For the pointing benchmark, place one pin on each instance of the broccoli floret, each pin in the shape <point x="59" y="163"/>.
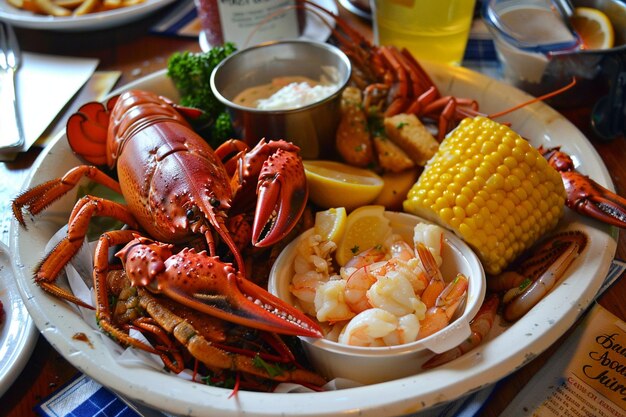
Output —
<point x="191" y="74"/>
<point x="222" y="129"/>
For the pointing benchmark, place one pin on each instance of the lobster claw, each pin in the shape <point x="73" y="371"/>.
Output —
<point x="282" y="195"/>
<point x="205" y="284"/>
<point x="587" y="197"/>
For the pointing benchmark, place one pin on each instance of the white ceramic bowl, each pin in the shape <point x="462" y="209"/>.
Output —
<point x="379" y="364"/>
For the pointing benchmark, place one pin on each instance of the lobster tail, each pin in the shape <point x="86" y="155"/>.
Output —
<point x="87" y="132"/>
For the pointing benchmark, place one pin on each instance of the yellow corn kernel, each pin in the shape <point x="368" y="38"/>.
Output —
<point x="492" y="188"/>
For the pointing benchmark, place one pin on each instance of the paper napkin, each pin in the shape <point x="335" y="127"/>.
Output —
<point x="45" y="84"/>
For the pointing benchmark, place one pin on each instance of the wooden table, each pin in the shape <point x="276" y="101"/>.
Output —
<point x="133" y="51"/>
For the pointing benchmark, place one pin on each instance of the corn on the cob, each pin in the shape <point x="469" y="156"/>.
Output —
<point x="492" y="188"/>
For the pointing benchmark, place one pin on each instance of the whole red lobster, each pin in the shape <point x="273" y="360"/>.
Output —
<point x="177" y="190"/>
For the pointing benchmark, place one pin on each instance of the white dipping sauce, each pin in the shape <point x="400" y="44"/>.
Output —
<point x="285" y="93"/>
<point x="295" y="95"/>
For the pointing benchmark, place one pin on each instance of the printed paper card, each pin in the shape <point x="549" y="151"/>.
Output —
<point x="586" y="377"/>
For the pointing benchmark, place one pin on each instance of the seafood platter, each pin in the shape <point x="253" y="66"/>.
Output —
<point x="170" y="305"/>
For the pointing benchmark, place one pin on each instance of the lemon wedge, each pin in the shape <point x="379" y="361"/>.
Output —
<point x="397" y="186"/>
<point x="334" y="184"/>
<point x="593" y="27"/>
<point x="366" y="227"/>
<point x="331" y="223"/>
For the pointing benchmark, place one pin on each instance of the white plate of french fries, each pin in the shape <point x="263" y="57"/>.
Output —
<point x="68" y="15"/>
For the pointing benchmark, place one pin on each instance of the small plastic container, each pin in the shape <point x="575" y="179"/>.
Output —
<point x="369" y="365"/>
<point x="526" y="33"/>
<point x="531" y="25"/>
<point x="540" y="62"/>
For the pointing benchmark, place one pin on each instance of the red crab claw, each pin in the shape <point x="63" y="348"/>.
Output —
<point x="274" y="168"/>
<point x="282" y="195"/>
<point x="206" y="284"/>
<point x="587" y="197"/>
<point x="584" y="195"/>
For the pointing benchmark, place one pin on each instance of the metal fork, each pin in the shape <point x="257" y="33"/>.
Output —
<point x="11" y="132"/>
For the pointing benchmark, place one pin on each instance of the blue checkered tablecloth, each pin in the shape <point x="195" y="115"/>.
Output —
<point x="83" y="397"/>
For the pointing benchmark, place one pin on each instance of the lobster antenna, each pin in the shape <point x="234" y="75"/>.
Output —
<point x="534" y="100"/>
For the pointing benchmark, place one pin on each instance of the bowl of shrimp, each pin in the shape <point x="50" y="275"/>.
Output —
<point x="390" y="309"/>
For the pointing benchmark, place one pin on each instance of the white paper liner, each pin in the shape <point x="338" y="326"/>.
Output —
<point x="81" y="285"/>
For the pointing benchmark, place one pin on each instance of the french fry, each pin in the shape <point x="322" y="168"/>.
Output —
<point x="48" y="7"/>
<point x="16" y="3"/>
<point x="128" y="3"/>
<point x="88" y="6"/>
<point x="69" y="4"/>
<point x="31" y="6"/>
<point x="111" y="4"/>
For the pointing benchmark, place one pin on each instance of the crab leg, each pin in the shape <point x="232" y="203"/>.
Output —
<point x="584" y="195"/>
<point x="209" y="354"/>
<point x="536" y="275"/>
<point x="204" y="283"/>
<point x="587" y="197"/>
<point x="521" y="304"/>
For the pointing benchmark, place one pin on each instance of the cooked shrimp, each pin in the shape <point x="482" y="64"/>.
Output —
<point x="480" y="325"/>
<point x="304" y="286"/>
<point x="411" y="270"/>
<point x="332" y="330"/>
<point x="431" y="236"/>
<point x="393" y="293"/>
<point x="330" y="303"/>
<point x="368" y="328"/>
<point x="357" y="285"/>
<point x="406" y="331"/>
<point x="367" y="257"/>
<point x="312" y="266"/>
<point x="436" y="282"/>
<point x="438" y="316"/>
<point x="399" y="249"/>
<point x="377" y="327"/>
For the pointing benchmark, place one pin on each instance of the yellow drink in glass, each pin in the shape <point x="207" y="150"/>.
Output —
<point x="433" y="30"/>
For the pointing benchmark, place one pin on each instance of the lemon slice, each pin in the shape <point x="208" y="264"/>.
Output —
<point x="331" y="223"/>
<point x="334" y="184"/>
<point x="593" y="27"/>
<point x="366" y="227"/>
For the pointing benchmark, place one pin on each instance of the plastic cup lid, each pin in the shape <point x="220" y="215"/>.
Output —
<point x="532" y="25"/>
